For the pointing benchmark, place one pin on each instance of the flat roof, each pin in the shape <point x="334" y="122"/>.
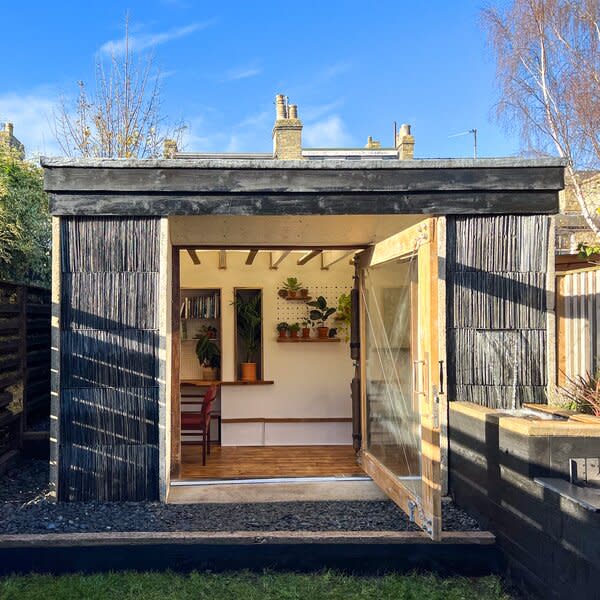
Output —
<point x="325" y="164"/>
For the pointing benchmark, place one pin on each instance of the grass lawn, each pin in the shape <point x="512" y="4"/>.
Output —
<point x="248" y="586"/>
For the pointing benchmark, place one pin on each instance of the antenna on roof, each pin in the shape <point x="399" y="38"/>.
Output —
<point x="395" y="133"/>
<point x="474" y="132"/>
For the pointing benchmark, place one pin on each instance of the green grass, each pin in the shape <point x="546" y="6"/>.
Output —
<point x="248" y="586"/>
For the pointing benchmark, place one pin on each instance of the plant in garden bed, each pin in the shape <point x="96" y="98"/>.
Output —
<point x="282" y="329"/>
<point x="294" y="329"/>
<point x="320" y="313"/>
<point x="291" y="286"/>
<point x="582" y="393"/>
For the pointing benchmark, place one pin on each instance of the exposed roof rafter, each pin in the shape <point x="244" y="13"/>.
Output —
<point x="331" y="257"/>
<point x="251" y="256"/>
<point x="278" y="257"/>
<point x="194" y="256"/>
<point x="308" y="256"/>
<point x="222" y="259"/>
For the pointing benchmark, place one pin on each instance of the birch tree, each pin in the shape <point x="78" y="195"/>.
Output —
<point x="548" y="70"/>
<point x="122" y="116"/>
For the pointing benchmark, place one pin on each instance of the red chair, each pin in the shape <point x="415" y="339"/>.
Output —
<point x="200" y="421"/>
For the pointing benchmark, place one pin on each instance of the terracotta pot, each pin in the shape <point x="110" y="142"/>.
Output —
<point x="294" y="334"/>
<point x="304" y="293"/>
<point x="282" y="333"/>
<point x="305" y="332"/>
<point x="323" y="332"/>
<point x="248" y="371"/>
<point x="210" y="374"/>
<point x="291" y="294"/>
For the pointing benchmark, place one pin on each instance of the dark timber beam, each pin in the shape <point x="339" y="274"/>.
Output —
<point x="251" y="256"/>
<point x="331" y="176"/>
<point x="349" y="203"/>
<point x="194" y="256"/>
<point x="308" y="256"/>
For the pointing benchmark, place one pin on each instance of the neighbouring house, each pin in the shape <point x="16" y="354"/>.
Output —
<point x="571" y="227"/>
<point x="448" y="265"/>
<point x="7" y="137"/>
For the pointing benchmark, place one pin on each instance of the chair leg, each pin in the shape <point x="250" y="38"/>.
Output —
<point x="203" y="449"/>
<point x="208" y="433"/>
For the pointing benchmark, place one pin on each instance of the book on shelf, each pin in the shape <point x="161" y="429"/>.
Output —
<point x="200" y="307"/>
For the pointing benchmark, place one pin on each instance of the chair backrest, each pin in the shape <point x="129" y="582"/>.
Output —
<point x="209" y="399"/>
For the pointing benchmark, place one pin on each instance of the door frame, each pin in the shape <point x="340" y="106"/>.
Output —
<point x="419" y="240"/>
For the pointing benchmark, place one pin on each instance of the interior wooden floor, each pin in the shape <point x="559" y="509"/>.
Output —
<point x="252" y="462"/>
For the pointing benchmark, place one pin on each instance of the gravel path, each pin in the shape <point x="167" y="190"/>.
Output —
<point x="25" y="508"/>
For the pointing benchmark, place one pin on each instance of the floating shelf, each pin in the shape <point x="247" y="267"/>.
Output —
<point x="299" y="299"/>
<point x="208" y="383"/>
<point x="290" y="340"/>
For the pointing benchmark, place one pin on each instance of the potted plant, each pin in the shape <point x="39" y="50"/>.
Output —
<point x="292" y="286"/>
<point x="282" y="329"/>
<point x="306" y="325"/>
<point x="320" y="313"/>
<point x="209" y="356"/>
<point x="294" y="329"/>
<point x="303" y="292"/>
<point x="344" y="313"/>
<point x="248" y="319"/>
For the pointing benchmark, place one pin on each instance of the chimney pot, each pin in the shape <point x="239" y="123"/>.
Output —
<point x="9" y="128"/>
<point x="280" y="107"/>
<point x="293" y="111"/>
<point x="405" y="143"/>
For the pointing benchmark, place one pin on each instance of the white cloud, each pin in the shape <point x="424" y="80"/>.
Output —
<point x="242" y="73"/>
<point x="141" y="41"/>
<point x="327" y="133"/>
<point x="32" y="116"/>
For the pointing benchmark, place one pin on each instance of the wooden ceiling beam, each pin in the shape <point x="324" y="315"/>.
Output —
<point x="251" y="256"/>
<point x="278" y="257"/>
<point x="194" y="256"/>
<point x="331" y="257"/>
<point x="308" y="256"/>
<point x="222" y="259"/>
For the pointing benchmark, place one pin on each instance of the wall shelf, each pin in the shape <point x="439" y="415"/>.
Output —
<point x="298" y="299"/>
<point x="206" y="383"/>
<point x="290" y="340"/>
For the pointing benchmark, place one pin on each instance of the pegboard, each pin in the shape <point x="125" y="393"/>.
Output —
<point x="294" y="311"/>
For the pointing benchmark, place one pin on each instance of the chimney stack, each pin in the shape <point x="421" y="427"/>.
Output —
<point x="287" y="132"/>
<point x="169" y="148"/>
<point x="405" y="143"/>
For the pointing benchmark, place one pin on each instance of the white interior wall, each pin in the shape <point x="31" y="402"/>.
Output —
<point x="311" y="381"/>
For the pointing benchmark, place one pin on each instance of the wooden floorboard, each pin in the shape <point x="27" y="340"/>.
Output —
<point x="249" y="462"/>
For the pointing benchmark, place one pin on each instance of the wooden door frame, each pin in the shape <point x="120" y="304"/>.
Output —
<point x="420" y="239"/>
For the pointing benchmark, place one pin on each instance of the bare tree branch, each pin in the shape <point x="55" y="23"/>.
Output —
<point x="122" y="117"/>
<point x="548" y="71"/>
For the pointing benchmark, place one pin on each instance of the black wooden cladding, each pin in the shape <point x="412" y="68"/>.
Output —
<point x="496" y="277"/>
<point x="109" y="359"/>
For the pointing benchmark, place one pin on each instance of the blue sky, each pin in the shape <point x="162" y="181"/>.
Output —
<point x="353" y="67"/>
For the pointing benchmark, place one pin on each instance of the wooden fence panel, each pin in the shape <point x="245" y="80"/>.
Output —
<point x="577" y="322"/>
<point x="24" y="363"/>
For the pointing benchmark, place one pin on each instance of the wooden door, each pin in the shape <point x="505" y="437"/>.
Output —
<point x="400" y="372"/>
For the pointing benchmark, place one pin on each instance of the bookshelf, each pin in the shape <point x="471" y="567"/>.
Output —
<point x="200" y="312"/>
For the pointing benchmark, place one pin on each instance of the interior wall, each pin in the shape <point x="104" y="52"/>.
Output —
<point x="311" y="381"/>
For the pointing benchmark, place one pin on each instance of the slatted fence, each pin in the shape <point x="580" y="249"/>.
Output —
<point x="577" y="321"/>
<point x="24" y="363"/>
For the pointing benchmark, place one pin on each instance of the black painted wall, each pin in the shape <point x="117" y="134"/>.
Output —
<point x="108" y="448"/>
<point x="496" y="276"/>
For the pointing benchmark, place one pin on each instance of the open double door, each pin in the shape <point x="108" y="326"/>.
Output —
<point x="400" y="371"/>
